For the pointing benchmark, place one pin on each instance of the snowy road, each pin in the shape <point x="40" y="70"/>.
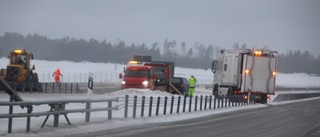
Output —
<point x="294" y="119"/>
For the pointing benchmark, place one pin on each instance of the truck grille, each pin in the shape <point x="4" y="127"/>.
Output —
<point x="12" y="73"/>
<point x="135" y="85"/>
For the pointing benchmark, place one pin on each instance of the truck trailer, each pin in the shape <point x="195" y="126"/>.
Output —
<point x="249" y="74"/>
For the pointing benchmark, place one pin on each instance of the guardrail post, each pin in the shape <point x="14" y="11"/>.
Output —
<point x="53" y="87"/>
<point x="178" y="107"/>
<point x="184" y="104"/>
<point x="205" y="102"/>
<point x="142" y="105"/>
<point x="210" y="102"/>
<point x="126" y="103"/>
<point x="71" y="87"/>
<point x="77" y="88"/>
<point x="134" y="106"/>
<point x="201" y="99"/>
<point x="10" y="112"/>
<point x="190" y="103"/>
<point x="171" y="107"/>
<point x="88" y="106"/>
<point x="66" y="87"/>
<point x="165" y="105"/>
<point x="158" y="104"/>
<point x="59" y="87"/>
<point x="28" y="118"/>
<point x="150" y="106"/>
<point x="110" y="110"/>
<point x="195" y="103"/>
<point x="46" y="87"/>
<point x="56" y="116"/>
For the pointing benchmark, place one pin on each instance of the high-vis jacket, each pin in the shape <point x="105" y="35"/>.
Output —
<point x="192" y="82"/>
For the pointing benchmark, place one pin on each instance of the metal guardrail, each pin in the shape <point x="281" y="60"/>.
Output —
<point x="148" y="106"/>
<point x="154" y="106"/>
<point x="56" y="108"/>
<point x="47" y="87"/>
<point x="295" y="96"/>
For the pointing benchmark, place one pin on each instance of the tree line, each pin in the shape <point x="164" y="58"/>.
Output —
<point x="188" y="56"/>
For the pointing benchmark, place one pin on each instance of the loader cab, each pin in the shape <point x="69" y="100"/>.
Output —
<point x="21" y="57"/>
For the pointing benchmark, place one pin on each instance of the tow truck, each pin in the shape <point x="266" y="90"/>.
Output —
<point x="143" y="73"/>
<point x="250" y="74"/>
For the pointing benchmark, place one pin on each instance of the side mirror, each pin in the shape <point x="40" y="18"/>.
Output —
<point x="120" y="75"/>
<point x="213" y="67"/>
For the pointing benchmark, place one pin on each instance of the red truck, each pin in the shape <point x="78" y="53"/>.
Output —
<point x="154" y="75"/>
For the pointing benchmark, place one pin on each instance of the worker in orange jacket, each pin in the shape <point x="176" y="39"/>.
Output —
<point x="57" y="75"/>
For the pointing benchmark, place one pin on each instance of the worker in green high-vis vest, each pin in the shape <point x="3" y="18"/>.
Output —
<point x="192" y="86"/>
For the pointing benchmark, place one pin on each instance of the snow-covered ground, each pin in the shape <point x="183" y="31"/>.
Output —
<point x="108" y="72"/>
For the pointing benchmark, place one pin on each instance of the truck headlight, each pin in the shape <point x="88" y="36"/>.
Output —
<point x="123" y="82"/>
<point x="145" y="83"/>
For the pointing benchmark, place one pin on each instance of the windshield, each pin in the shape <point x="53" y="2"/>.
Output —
<point x="175" y="80"/>
<point x="18" y="59"/>
<point x="137" y="73"/>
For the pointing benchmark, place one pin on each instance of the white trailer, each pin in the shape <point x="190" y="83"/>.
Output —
<point x="245" y="72"/>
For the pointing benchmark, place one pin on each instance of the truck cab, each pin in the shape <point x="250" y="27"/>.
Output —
<point x="138" y="77"/>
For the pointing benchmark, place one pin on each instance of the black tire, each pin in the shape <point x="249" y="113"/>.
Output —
<point x="215" y="91"/>
<point x="35" y="81"/>
<point x="2" y="72"/>
<point x="264" y="99"/>
<point x="27" y="82"/>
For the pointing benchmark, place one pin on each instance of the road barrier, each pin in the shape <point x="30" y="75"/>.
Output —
<point x="295" y="96"/>
<point x="56" y="108"/>
<point x="178" y="104"/>
<point x="135" y="106"/>
<point x="47" y="87"/>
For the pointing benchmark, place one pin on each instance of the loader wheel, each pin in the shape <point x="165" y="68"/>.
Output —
<point x="27" y="81"/>
<point x="1" y="72"/>
<point x="35" y="82"/>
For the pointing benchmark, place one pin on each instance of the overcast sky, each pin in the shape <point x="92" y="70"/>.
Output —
<point x="278" y="24"/>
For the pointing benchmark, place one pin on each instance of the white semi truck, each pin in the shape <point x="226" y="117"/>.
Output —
<point x="250" y="74"/>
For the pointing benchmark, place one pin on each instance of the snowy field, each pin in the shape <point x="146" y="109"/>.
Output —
<point x="108" y="72"/>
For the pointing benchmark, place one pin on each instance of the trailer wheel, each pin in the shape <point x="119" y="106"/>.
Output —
<point x="215" y="91"/>
<point x="264" y="99"/>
